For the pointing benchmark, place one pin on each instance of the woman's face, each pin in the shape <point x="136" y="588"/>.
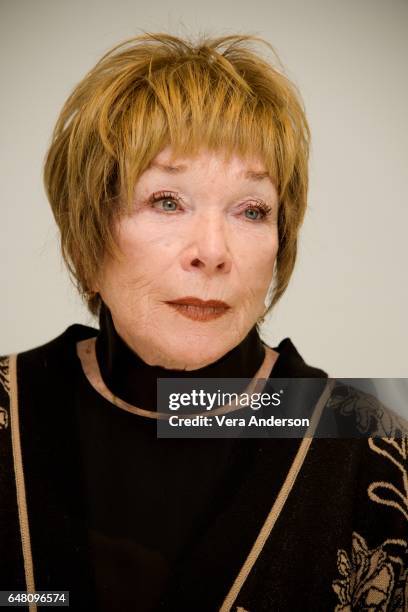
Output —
<point x="201" y="227"/>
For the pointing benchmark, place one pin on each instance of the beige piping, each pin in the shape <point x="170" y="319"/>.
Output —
<point x="279" y="502"/>
<point x="20" y="486"/>
<point x="87" y="355"/>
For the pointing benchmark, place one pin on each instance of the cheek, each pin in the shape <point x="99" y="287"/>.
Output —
<point x="146" y="246"/>
<point x="144" y="261"/>
<point x="258" y="257"/>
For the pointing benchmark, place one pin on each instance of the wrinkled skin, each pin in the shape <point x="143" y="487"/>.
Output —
<point x="204" y="243"/>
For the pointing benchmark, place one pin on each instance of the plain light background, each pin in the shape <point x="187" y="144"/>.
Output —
<point x="347" y="303"/>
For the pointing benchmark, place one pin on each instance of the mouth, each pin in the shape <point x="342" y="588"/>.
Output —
<point x="199" y="310"/>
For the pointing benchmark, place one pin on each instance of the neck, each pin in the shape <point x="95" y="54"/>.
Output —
<point x="135" y="381"/>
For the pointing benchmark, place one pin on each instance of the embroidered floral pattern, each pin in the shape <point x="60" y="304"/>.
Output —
<point x="376" y="580"/>
<point x="4" y="370"/>
<point x="367" y="414"/>
<point x="400" y="599"/>
<point x="4" y="387"/>
<point x="368" y="576"/>
<point x="387" y="493"/>
<point x="3" y="418"/>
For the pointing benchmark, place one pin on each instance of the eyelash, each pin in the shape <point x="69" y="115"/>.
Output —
<point x="259" y="206"/>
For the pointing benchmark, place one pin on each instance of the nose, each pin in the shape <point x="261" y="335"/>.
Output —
<point x="207" y="248"/>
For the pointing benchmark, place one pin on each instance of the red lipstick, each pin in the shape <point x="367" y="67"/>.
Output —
<point x="199" y="310"/>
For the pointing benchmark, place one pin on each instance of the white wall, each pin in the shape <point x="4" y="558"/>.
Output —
<point x="346" y="306"/>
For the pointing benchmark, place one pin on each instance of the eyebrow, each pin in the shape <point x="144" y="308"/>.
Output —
<point x="251" y="175"/>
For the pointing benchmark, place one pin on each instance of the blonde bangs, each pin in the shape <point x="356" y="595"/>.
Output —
<point x="201" y="101"/>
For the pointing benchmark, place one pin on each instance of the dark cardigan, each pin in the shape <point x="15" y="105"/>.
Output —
<point x="326" y="531"/>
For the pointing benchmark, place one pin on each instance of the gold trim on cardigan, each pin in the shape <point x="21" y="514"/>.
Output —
<point x="279" y="502"/>
<point x="87" y="355"/>
<point x="20" y="484"/>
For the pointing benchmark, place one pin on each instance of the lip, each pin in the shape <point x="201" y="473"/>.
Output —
<point x="194" y="301"/>
<point x="199" y="310"/>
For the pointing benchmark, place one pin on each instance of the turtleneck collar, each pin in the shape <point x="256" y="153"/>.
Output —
<point x="133" y="380"/>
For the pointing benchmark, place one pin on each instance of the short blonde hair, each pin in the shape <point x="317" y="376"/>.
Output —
<point x="157" y="89"/>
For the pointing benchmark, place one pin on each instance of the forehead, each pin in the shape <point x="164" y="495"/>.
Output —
<point x="248" y="168"/>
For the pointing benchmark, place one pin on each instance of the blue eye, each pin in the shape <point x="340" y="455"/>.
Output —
<point x="168" y="200"/>
<point x="257" y="212"/>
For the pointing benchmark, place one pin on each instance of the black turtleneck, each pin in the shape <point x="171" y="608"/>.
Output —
<point x="155" y="506"/>
<point x="123" y="370"/>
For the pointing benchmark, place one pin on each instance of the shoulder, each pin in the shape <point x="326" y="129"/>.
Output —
<point x="56" y="353"/>
<point x="72" y="334"/>
<point x="69" y="337"/>
<point x="291" y="364"/>
<point x="363" y="412"/>
<point x="383" y="449"/>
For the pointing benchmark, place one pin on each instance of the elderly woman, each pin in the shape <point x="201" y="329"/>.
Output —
<point x="177" y="175"/>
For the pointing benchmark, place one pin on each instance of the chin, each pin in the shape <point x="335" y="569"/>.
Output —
<point x="195" y="352"/>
